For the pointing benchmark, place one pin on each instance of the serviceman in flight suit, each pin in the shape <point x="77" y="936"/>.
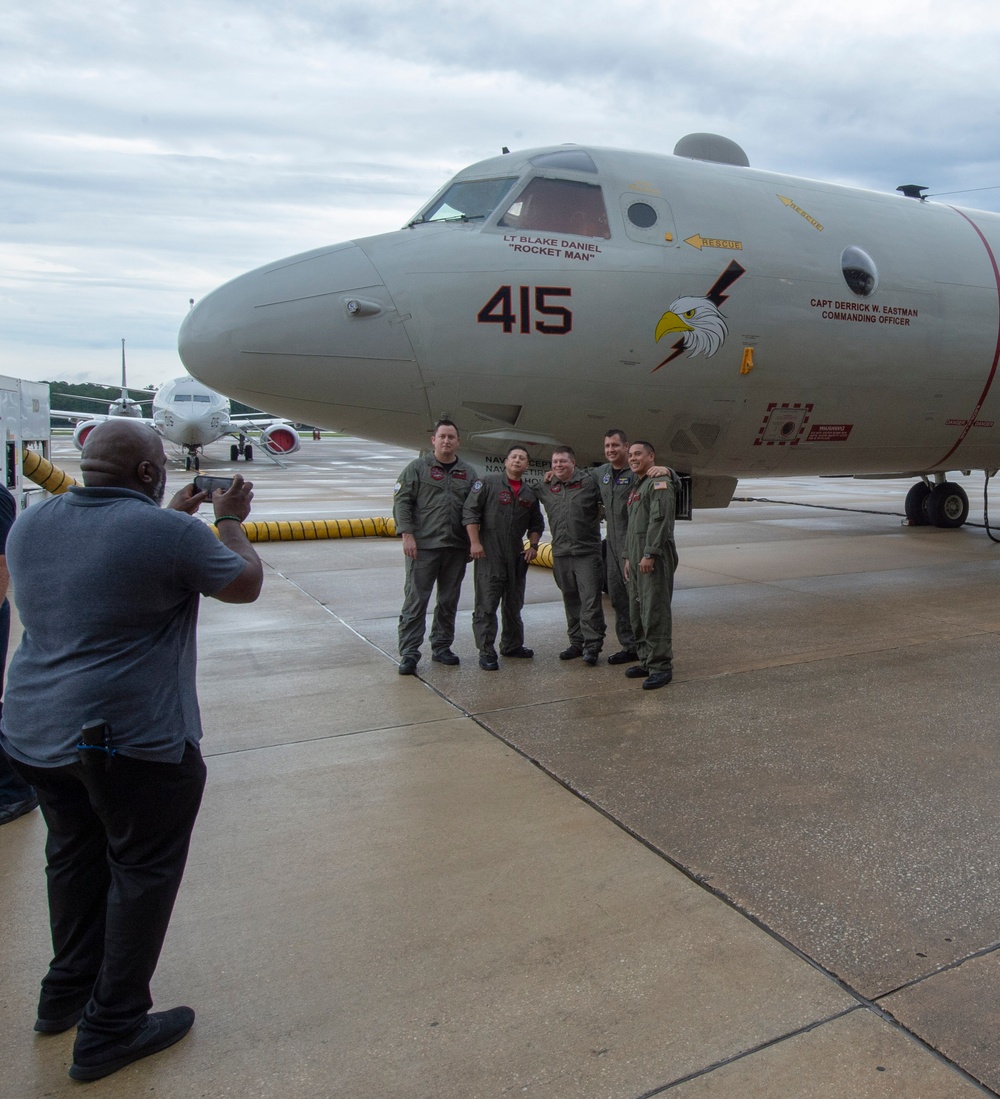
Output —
<point x="614" y="479"/>
<point x="427" y="507"/>
<point x="572" y="503"/>
<point x="650" y="563"/>
<point x="499" y="511"/>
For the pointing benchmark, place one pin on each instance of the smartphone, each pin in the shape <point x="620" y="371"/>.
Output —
<point x="211" y="484"/>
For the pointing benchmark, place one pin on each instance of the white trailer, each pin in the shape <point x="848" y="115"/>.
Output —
<point x="25" y="422"/>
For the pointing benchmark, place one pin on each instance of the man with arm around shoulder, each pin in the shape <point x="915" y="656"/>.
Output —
<point x="572" y="503"/>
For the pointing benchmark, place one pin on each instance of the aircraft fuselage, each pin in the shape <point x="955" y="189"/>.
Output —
<point x="749" y="324"/>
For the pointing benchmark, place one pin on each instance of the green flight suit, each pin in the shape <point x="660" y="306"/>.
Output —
<point x="651" y="508"/>
<point x="503" y="517"/>
<point x="615" y="486"/>
<point x="428" y="503"/>
<point x="573" y="509"/>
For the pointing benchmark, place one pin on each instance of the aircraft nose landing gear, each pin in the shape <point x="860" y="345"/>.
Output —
<point x="943" y="505"/>
<point x="243" y="449"/>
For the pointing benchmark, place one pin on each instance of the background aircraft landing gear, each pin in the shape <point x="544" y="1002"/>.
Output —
<point x="916" y="502"/>
<point x="192" y="461"/>
<point x="242" y="449"/>
<point x="947" y="505"/>
<point x="943" y="505"/>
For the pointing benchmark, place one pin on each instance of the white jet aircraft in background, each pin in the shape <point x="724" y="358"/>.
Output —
<point x="191" y="416"/>
<point x="750" y="324"/>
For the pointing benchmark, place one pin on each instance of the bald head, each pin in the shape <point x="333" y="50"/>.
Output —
<point x="120" y="453"/>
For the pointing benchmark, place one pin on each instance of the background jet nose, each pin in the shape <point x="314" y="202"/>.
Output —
<point x="315" y="338"/>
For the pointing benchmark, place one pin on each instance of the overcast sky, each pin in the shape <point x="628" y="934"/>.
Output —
<point x="151" y="151"/>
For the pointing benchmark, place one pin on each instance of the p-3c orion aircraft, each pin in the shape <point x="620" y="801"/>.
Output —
<point x="749" y="324"/>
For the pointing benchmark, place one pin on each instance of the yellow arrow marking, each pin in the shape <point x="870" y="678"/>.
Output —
<point x="699" y="242"/>
<point x="798" y="209"/>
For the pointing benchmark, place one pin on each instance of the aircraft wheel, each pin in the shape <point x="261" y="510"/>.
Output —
<point x="187" y="462"/>
<point x="947" y="505"/>
<point x="916" y="504"/>
<point x="248" y="453"/>
<point x="234" y="453"/>
<point x="197" y="463"/>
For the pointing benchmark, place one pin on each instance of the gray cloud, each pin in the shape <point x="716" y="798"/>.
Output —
<point x="149" y="152"/>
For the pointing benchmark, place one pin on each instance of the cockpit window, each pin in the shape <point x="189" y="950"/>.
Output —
<point x="467" y="200"/>
<point x="559" y="206"/>
<point x="177" y="398"/>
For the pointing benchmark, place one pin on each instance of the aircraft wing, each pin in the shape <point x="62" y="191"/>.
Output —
<point x="98" y="417"/>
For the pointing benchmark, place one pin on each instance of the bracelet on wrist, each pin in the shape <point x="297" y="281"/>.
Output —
<point x="222" y="518"/>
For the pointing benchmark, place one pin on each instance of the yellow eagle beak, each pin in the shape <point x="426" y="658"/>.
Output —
<point x="670" y="322"/>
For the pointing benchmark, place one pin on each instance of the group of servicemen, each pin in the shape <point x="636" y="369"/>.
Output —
<point x="446" y="514"/>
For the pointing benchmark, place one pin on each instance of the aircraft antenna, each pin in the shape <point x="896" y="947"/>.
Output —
<point x="967" y="191"/>
<point x="913" y="190"/>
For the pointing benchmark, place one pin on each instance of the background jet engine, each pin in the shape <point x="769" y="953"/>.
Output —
<point x="280" y="439"/>
<point x="82" y="430"/>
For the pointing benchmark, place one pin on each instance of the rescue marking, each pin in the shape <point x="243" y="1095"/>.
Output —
<point x="798" y="209"/>
<point x="789" y="422"/>
<point x="699" y="242"/>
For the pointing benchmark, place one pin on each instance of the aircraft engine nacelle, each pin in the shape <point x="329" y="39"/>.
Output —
<point x="280" y="439"/>
<point x="82" y="430"/>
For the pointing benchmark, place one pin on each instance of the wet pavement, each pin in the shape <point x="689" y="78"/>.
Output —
<point x="776" y="877"/>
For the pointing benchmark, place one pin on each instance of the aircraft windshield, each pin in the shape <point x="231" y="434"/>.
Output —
<point x="559" y="206"/>
<point x="476" y="198"/>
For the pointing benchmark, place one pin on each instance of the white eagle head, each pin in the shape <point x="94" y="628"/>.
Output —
<point x="702" y="326"/>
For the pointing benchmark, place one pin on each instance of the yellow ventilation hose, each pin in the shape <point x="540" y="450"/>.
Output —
<point x="54" y="480"/>
<point x="44" y="473"/>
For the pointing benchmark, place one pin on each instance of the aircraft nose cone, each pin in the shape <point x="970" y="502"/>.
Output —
<point x="315" y="338"/>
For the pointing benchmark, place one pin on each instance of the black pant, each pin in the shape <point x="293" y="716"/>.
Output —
<point x="117" y="844"/>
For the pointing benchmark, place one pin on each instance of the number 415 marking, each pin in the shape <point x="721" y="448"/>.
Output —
<point x="500" y="310"/>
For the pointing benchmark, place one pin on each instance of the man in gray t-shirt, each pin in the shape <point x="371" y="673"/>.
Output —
<point x="108" y="586"/>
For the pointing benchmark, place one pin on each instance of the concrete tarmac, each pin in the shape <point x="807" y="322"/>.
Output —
<point x="777" y="877"/>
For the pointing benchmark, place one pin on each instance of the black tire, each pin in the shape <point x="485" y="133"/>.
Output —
<point x="187" y="462"/>
<point x="197" y="463"/>
<point x="947" y="505"/>
<point x="234" y="452"/>
<point x="248" y="453"/>
<point x="916" y="504"/>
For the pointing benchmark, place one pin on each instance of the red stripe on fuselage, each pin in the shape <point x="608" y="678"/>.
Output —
<point x="970" y="423"/>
